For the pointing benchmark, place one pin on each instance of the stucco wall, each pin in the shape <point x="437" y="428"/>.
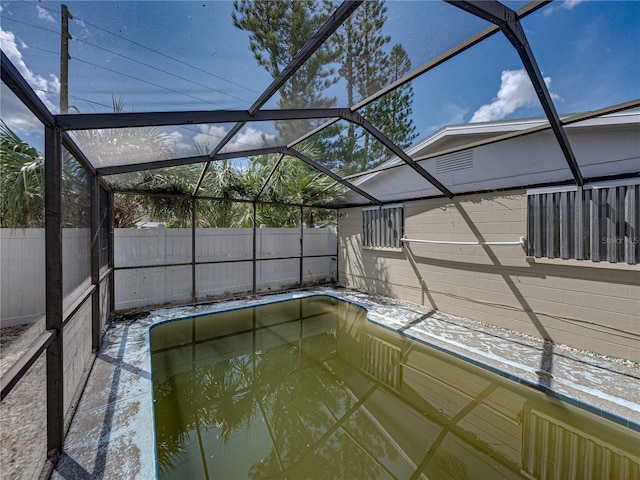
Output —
<point x="590" y="306"/>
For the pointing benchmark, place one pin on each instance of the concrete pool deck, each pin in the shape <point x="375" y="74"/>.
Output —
<point x="112" y="432"/>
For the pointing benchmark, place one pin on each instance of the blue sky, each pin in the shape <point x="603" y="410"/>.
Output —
<point x="184" y="55"/>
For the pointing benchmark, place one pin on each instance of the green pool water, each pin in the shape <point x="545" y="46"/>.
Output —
<point x="309" y="389"/>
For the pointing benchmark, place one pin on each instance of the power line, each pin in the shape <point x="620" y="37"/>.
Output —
<point x="75" y="97"/>
<point x="146" y="81"/>
<point x="160" y="70"/>
<point x="57" y="32"/>
<point x="131" y="77"/>
<point x="84" y="22"/>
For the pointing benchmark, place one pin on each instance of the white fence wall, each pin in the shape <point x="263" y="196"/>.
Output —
<point x="22" y="272"/>
<point x="151" y="285"/>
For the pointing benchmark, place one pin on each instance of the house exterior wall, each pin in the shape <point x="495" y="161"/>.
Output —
<point x="587" y="305"/>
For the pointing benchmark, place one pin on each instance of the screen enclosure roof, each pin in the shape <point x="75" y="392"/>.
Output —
<point x="375" y="101"/>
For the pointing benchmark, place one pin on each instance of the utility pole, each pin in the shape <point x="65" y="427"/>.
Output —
<point x="64" y="60"/>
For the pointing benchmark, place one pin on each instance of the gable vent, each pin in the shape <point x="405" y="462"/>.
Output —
<point x="454" y="162"/>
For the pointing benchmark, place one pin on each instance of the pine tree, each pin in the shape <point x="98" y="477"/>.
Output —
<point x="393" y="111"/>
<point x="367" y="67"/>
<point x="278" y="30"/>
<point x="370" y="65"/>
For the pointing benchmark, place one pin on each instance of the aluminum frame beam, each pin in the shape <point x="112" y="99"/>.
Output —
<point x="294" y="153"/>
<point x="54" y="291"/>
<point x="326" y="171"/>
<point x="91" y="121"/>
<point x="509" y="23"/>
<point x="138" y="167"/>
<point x="309" y="48"/>
<point x="382" y="138"/>
<point x="449" y="54"/>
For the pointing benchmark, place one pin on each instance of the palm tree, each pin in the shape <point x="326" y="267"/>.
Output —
<point x="21" y="182"/>
<point x="294" y="182"/>
<point x="131" y="145"/>
<point x="22" y="185"/>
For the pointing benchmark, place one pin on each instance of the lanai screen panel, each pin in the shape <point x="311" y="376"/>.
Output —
<point x="144" y="56"/>
<point x="599" y="159"/>
<point x="173" y="56"/>
<point x="484" y="83"/>
<point x="319" y="245"/>
<point x="76" y="228"/>
<point x="231" y="178"/>
<point x="22" y="216"/>
<point x="223" y="248"/>
<point x="590" y="52"/>
<point x="175" y="180"/>
<point x="278" y="247"/>
<point x="112" y="147"/>
<point x="290" y="180"/>
<point x="528" y="160"/>
<point x="410" y="34"/>
<point x="344" y="148"/>
<point x="280" y="133"/>
<point x="341" y="195"/>
<point x="403" y="183"/>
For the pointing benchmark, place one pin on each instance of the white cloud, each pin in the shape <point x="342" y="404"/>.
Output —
<point x="44" y="15"/>
<point x="20" y="119"/>
<point x="562" y="5"/>
<point x="54" y="84"/>
<point x="209" y="137"/>
<point x="250" y="138"/>
<point x="247" y="139"/>
<point x="449" y="114"/>
<point x="515" y="91"/>
<point x="40" y="84"/>
<point x="454" y="114"/>
<point x="177" y="140"/>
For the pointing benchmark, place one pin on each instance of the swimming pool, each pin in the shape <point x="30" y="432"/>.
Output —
<point x="308" y="388"/>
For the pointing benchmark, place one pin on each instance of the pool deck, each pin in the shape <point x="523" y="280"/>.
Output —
<point x="112" y="435"/>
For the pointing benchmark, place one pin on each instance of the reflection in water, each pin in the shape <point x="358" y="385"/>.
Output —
<point x="309" y="389"/>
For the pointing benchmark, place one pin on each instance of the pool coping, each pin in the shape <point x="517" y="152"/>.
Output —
<point x="112" y="434"/>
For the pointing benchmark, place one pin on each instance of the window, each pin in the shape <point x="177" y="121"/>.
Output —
<point x="598" y="222"/>
<point x="382" y="226"/>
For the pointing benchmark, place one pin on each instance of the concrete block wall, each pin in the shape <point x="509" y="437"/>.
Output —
<point x="587" y="305"/>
